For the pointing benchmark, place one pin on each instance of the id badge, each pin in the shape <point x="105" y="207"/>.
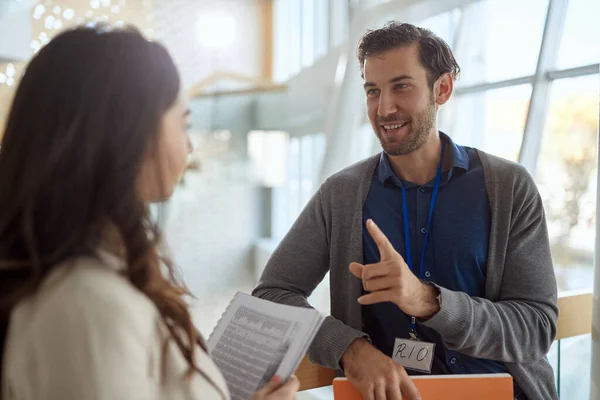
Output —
<point x="415" y="355"/>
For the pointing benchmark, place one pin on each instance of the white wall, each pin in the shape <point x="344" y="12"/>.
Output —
<point x="176" y="27"/>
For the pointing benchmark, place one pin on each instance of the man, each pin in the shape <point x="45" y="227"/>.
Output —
<point x="431" y="246"/>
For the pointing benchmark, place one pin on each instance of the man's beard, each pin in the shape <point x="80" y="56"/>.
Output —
<point x="421" y="127"/>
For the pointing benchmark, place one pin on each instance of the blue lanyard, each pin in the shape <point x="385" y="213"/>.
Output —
<point x="436" y="189"/>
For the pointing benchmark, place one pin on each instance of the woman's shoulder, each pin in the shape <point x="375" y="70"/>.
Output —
<point x="87" y="290"/>
<point x="87" y="313"/>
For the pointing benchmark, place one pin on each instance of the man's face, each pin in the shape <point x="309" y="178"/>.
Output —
<point x="400" y="102"/>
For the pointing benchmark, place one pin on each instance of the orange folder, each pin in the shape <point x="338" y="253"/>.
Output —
<point x="444" y="387"/>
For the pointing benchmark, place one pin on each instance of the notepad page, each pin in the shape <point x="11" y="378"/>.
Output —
<point x="256" y="339"/>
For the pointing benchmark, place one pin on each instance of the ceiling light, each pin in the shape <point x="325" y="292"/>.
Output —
<point x="216" y="30"/>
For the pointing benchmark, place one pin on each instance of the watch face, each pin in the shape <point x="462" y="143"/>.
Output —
<point x="439" y="295"/>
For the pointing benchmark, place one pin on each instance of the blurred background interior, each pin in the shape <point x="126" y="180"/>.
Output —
<point x="277" y="106"/>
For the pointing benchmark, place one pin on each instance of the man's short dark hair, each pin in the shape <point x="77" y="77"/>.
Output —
<point x="435" y="54"/>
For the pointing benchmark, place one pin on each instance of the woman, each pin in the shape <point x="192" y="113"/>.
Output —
<point x="88" y="307"/>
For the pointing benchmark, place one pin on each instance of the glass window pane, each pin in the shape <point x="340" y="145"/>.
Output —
<point x="307" y="165"/>
<point x="575" y="364"/>
<point x="492" y="121"/>
<point x="553" y="357"/>
<point x="339" y="21"/>
<point x="566" y="177"/>
<point x="294" y="182"/>
<point x="281" y="41"/>
<point x="366" y="144"/>
<point x="295" y="29"/>
<point x="444" y="25"/>
<point x="500" y="39"/>
<point x="308" y="32"/>
<point x="579" y="44"/>
<point x="321" y="28"/>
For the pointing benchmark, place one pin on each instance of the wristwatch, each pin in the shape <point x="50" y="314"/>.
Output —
<point x="439" y="294"/>
<point x="438" y="298"/>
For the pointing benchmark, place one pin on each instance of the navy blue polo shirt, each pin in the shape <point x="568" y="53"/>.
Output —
<point x="456" y="253"/>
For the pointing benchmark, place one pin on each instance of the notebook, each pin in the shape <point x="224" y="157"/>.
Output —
<point x="256" y="339"/>
<point x="444" y="387"/>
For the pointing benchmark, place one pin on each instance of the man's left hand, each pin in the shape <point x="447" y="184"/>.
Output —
<point x="391" y="280"/>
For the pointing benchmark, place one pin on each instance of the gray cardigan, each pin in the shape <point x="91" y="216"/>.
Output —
<point x="516" y="321"/>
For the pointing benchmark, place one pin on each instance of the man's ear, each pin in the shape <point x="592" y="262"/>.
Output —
<point x="443" y="88"/>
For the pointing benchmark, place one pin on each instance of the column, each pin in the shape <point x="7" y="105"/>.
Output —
<point x="595" y="373"/>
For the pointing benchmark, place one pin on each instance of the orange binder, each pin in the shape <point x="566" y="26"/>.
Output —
<point x="446" y="387"/>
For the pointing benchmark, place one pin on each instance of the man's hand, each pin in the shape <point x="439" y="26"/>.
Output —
<point x="392" y="280"/>
<point x="376" y="376"/>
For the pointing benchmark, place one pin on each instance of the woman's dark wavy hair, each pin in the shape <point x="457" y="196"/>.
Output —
<point x="86" y="112"/>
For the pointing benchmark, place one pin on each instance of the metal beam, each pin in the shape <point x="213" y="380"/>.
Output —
<point x="574" y="72"/>
<point x="493" y="85"/>
<point x="534" y="126"/>
<point x="550" y="76"/>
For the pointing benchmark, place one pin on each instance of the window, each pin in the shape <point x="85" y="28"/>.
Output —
<point x="302" y="31"/>
<point x="493" y="120"/>
<point x="492" y="51"/>
<point x="312" y="148"/>
<point x="295" y="43"/>
<point x="287" y="39"/>
<point x="492" y="117"/>
<point x="281" y="41"/>
<point x="321" y="28"/>
<point x="574" y="381"/>
<point x="339" y="15"/>
<point x="367" y="144"/>
<point x="294" y="172"/>
<point x="444" y="25"/>
<point x="500" y="39"/>
<point x="267" y="155"/>
<point x="579" y="45"/>
<point x="566" y="176"/>
<point x="308" y="32"/>
<point x="304" y="159"/>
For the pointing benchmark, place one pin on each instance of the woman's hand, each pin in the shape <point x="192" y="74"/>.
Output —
<point x="275" y="390"/>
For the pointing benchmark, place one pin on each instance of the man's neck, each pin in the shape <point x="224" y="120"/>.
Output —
<point x="420" y="166"/>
